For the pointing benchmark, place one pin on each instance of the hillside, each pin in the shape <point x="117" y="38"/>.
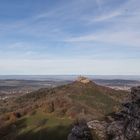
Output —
<point x="44" y="111"/>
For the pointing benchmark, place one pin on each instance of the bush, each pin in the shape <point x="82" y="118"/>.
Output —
<point x="41" y="122"/>
<point x="60" y="112"/>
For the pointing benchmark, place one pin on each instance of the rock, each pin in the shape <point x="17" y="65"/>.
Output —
<point x="99" y="128"/>
<point x="80" y="131"/>
<point x="127" y="122"/>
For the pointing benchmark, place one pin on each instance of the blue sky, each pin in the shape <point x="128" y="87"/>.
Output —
<point x="70" y="37"/>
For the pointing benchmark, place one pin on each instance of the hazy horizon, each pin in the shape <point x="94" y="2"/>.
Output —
<point x="68" y="77"/>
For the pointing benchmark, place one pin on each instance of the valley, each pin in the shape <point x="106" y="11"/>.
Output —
<point x="52" y="107"/>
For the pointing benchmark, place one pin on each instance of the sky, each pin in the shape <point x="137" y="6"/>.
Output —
<point x="84" y="37"/>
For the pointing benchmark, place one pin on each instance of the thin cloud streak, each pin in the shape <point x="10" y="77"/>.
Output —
<point x="121" y="38"/>
<point x="107" y="16"/>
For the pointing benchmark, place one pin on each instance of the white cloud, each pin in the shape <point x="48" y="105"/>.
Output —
<point x="107" y="16"/>
<point x="18" y="45"/>
<point x="129" y="38"/>
<point x="121" y="27"/>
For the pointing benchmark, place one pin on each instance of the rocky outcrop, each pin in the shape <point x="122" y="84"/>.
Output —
<point x="126" y="124"/>
<point x="99" y="128"/>
<point x="80" y="131"/>
<point x="123" y="125"/>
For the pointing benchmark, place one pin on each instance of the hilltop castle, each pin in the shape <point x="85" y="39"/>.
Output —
<point x="83" y="80"/>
